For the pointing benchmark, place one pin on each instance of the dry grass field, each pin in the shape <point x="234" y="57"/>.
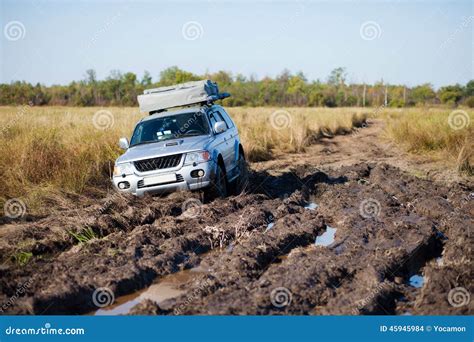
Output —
<point x="444" y="133"/>
<point x="48" y="152"/>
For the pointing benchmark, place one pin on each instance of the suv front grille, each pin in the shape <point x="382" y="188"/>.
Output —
<point x="158" y="163"/>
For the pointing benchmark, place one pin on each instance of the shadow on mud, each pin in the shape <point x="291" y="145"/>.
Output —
<point x="284" y="184"/>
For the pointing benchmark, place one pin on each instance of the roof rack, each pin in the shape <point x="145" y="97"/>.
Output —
<point x="180" y="95"/>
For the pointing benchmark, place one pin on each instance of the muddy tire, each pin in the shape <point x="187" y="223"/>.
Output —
<point x="218" y="187"/>
<point x="240" y="184"/>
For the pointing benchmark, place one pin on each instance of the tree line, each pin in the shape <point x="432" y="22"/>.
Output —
<point x="286" y="89"/>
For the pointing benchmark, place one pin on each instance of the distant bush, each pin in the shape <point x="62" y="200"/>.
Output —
<point x="470" y="102"/>
<point x="286" y="89"/>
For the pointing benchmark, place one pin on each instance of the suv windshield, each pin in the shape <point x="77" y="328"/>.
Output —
<point x="170" y="127"/>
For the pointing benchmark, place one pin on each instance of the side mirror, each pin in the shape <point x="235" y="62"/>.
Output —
<point x="123" y="143"/>
<point x="220" y="127"/>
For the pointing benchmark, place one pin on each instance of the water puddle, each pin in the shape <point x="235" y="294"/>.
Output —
<point x="417" y="281"/>
<point x="311" y="206"/>
<point x="269" y="226"/>
<point x="326" y="238"/>
<point x="166" y="288"/>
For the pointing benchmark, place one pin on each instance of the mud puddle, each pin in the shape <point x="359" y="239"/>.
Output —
<point x="416" y="281"/>
<point x="166" y="288"/>
<point x="327" y="238"/>
<point x="311" y="206"/>
<point x="269" y="226"/>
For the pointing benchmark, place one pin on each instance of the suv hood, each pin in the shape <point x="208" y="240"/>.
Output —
<point x="163" y="148"/>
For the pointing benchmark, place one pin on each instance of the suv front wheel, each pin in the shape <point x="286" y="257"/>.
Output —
<point x="218" y="186"/>
<point x="241" y="183"/>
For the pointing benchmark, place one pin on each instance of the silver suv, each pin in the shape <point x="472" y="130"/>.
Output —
<point x="197" y="147"/>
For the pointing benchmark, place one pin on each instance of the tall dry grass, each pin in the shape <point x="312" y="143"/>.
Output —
<point x="49" y="152"/>
<point x="445" y="133"/>
<point x="266" y="131"/>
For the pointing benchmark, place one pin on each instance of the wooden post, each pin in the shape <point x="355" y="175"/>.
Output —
<point x="386" y="96"/>
<point x="363" y="95"/>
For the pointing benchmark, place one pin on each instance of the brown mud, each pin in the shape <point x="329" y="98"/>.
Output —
<point x="255" y="253"/>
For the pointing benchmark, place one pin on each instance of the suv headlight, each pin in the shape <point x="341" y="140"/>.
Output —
<point x="123" y="169"/>
<point x="197" y="157"/>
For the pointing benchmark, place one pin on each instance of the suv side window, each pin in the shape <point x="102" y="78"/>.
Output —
<point x="226" y="118"/>
<point x="215" y="117"/>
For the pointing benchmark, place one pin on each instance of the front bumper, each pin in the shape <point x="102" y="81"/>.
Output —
<point x="183" y="175"/>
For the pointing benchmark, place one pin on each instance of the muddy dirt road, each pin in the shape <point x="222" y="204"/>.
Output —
<point x="345" y="228"/>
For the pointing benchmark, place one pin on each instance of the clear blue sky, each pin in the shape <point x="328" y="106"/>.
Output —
<point x="414" y="41"/>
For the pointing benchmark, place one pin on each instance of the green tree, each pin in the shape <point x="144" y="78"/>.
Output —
<point x="469" y="89"/>
<point x="451" y="94"/>
<point x="174" y="75"/>
<point x="337" y="77"/>
<point x="146" y="79"/>
<point x="422" y="94"/>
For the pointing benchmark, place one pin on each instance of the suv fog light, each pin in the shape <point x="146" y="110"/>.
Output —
<point x="197" y="173"/>
<point x="123" y="185"/>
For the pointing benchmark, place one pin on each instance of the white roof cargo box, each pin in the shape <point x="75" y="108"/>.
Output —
<point x="183" y="94"/>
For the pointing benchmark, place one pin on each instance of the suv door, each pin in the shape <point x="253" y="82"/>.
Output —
<point x="222" y="140"/>
<point x="232" y="135"/>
